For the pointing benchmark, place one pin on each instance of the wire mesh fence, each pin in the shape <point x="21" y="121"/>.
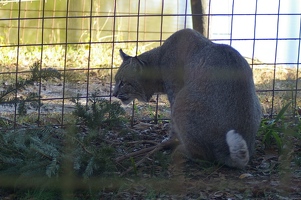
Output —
<point x="81" y="39"/>
<point x="60" y="56"/>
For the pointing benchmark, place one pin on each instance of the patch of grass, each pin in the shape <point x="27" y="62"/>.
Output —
<point x="285" y="133"/>
<point x="271" y="129"/>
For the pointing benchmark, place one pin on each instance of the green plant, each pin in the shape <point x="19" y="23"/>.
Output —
<point x="47" y="151"/>
<point x="151" y="111"/>
<point x="37" y="74"/>
<point x="99" y="113"/>
<point x="272" y="128"/>
<point x="151" y="194"/>
<point x="31" y="151"/>
<point x="133" y="163"/>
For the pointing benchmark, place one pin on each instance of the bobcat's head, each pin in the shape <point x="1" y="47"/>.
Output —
<point x="129" y="83"/>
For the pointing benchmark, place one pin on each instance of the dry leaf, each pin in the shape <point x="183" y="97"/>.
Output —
<point x="242" y="176"/>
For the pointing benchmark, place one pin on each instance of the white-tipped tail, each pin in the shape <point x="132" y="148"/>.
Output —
<point x="239" y="152"/>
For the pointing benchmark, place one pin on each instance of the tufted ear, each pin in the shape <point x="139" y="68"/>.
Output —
<point x="123" y="55"/>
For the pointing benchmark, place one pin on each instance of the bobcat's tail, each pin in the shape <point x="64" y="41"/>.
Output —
<point x="239" y="152"/>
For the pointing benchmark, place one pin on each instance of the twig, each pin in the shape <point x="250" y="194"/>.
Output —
<point x="80" y="143"/>
<point x="150" y="150"/>
<point x="136" y="153"/>
<point x="157" y="148"/>
<point x="144" y="141"/>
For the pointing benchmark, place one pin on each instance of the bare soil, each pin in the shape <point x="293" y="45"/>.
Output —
<point x="165" y="175"/>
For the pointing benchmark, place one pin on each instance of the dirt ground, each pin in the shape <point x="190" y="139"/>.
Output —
<point x="163" y="175"/>
<point x="267" y="176"/>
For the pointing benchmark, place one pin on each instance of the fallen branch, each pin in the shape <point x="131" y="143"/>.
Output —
<point x="136" y="153"/>
<point x="144" y="141"/>
<point x="150" y="150"/>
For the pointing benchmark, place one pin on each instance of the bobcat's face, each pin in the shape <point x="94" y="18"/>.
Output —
<point x="127" y="81"/>
<point x="127" y="90"/>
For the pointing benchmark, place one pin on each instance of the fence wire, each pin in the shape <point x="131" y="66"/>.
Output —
<point x="81" y="39"/>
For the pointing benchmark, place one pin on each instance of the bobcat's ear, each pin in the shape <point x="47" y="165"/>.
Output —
<point x="123" y="55"/>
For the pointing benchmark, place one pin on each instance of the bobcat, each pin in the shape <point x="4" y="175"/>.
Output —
<point x="215" y="112"/>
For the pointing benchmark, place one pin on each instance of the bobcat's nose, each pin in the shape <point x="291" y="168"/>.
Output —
<point x="115" y="93"/>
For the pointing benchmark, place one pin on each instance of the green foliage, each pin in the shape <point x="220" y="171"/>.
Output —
<point x="273" y="128"/>
<point x="37" y="74"/>
<point x="31" y="151"/>
<point x="152" y="112"/>
<point x="43" y="152"/>
<point x="99" y="113"/>
<point x="46" y="151"/>
<point x="133" y="163"/>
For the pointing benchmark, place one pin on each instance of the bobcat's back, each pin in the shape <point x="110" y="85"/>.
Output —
<point x="217" y="113"/>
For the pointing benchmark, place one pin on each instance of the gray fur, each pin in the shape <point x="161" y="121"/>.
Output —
<point x="210" y="89"/>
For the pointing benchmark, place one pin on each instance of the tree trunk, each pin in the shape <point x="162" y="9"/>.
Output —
<point x="198" y="18"/>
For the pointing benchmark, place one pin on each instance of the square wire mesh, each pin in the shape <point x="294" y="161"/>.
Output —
<point x="81" y="39"/>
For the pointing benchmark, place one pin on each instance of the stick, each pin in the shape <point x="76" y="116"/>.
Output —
<point x="150" y="150"/>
